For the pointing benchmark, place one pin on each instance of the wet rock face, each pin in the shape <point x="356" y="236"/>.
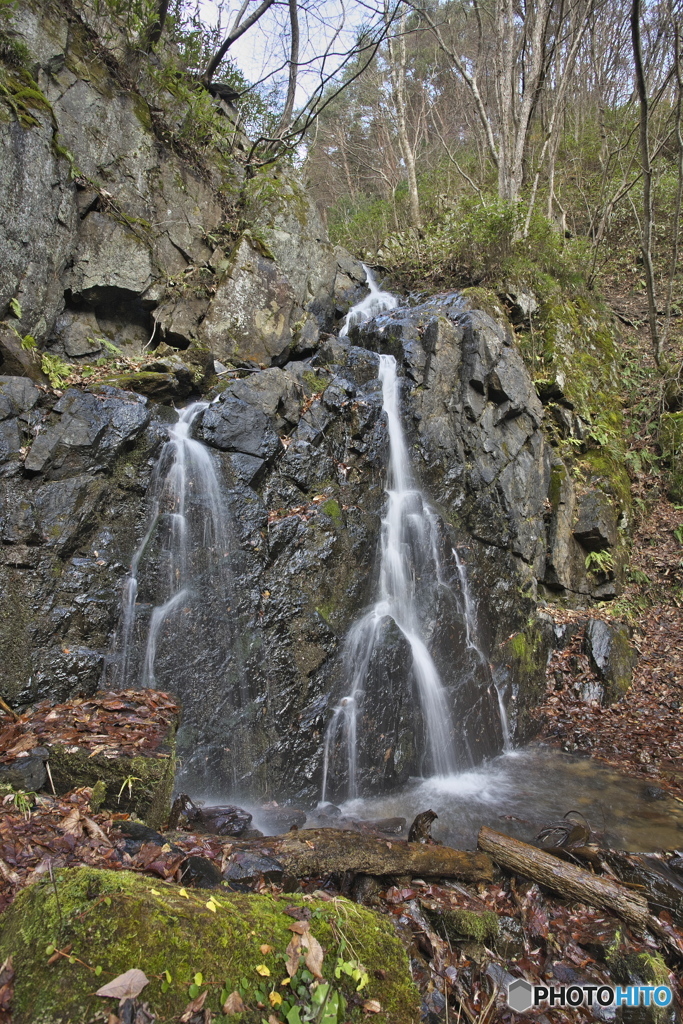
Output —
<point x="301" y="450"/>
<point x="608" y="646"/>
<point x="109" y="236"/>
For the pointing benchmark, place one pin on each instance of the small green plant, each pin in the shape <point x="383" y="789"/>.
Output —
<point x="678" y="533"/>
<point x="15" y="307"/>
<point x="599" y="561"/>
<point x="108" y="346"/>
<point x="22" y="800"/>
<point x="128" y="782"/>
<point x="55" y="369"/>
<point x="638" y="576"/>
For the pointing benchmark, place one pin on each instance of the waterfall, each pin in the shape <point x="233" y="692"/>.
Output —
<point x="409" y="561"/>
<point x="175" y="629"/>
<point x="374" y="303"/>
<point x="474" y="644"/>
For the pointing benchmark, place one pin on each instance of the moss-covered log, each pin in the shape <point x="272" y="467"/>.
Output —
<point x="117" y="921"/>
<point x="324" y="851"/>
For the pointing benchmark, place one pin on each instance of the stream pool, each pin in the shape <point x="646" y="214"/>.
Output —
<point x="520" y="792"/>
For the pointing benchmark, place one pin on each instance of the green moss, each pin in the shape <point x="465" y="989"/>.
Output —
<point x="332" y="509"/>
<point x="118" y="921"/>
<point x="488" y="301"/>
<point x="608" y="474"/>
<point x="629" y="968"/>
<point x="20" y="92"/>
<point x="151" y="780"/>
<point x="526" y="655"/>
<point x="315" y="383"/>
<point x="259" y="242"/>
<point x="558" y="475"/>
<point x="145" y="382"/>
<point x="461" y="924"/>
<point x="325" y="610"/>
<point x="141" y="111"/>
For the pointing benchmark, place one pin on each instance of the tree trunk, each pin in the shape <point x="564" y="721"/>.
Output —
<point x="325" y="851"/>
<point x="397" y="70"/>
<point x="646" y="234"/>
<point x="572" y="882"/>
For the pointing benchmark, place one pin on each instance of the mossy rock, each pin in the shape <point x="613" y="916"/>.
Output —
<point x="160" y="386"/>
<point x="459" y="925"/>
<point x="135" y="785"/>
<point x="117" y="920"/>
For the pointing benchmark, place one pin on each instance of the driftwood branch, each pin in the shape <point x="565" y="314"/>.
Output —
<point x="325" y="851"/>
<point x="573" y="882"/>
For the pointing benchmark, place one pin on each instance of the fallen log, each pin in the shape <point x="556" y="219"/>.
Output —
<point x="325" y="851"/>
<point x="573" y="882"/>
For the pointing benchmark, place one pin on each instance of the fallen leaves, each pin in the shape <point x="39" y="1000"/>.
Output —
<point x="233" y="1004"/>
<point x="126" y="986"/>
<point x="6" y="984"/>
<point x="129" y="722"/>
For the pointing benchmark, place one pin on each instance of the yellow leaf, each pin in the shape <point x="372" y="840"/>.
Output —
<point x="263" y="971"/>
<point x="275" y="998"/>
<point x="155" y="891"/>
<point x="285" y="981"/>
<point x="183" y="892"/>
<point x="266" y="949"/>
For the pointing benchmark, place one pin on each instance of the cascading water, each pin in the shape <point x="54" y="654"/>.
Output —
<point x="173" y="631"/>
<point x="421" y="699"/>
<point x="474" y="644"/>
<point x="374" y="303"/>
<point x="408" y="553"/>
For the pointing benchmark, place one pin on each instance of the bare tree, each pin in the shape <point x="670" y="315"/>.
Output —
<point x="397" y="72"/>
<point x="646" y="169"/>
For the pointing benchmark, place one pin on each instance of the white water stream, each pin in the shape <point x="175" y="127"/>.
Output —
<point x="410" y="574"/>
<point x="187" y="525"/>
<point x="374" y="303"/>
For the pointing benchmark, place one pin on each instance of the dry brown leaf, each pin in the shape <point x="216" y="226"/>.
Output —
<point x="9" y="873"/>
<point x="6" y="971"/>
<point x="372" y="1006"/>
<point x="23" y="744"/>
<point x="293" y="955"/>
<point x="314" y="956"/>
<point x="72" y="823"/>
<point x="95" y="832"/>
<point x="126" y="986"/>
<point x="233" y="1004"/>
<point x="300" y="927"/>
<point x="194" y="1007"/>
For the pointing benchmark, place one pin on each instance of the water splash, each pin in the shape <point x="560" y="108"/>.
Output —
<point x="408" y="562"/>
<point x="474" y="644"/>
<point x="374" y="303"/>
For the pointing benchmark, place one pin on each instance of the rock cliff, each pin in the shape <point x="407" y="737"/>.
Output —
<point x="119" y="233"/>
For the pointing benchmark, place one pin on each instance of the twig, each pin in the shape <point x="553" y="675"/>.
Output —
<point x="49" y="775"/>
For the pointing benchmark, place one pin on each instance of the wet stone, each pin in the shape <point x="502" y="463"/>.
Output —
<point x="244" y="866"/>
<point x="200" y="872"/>
<point x="27" y="773"/>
